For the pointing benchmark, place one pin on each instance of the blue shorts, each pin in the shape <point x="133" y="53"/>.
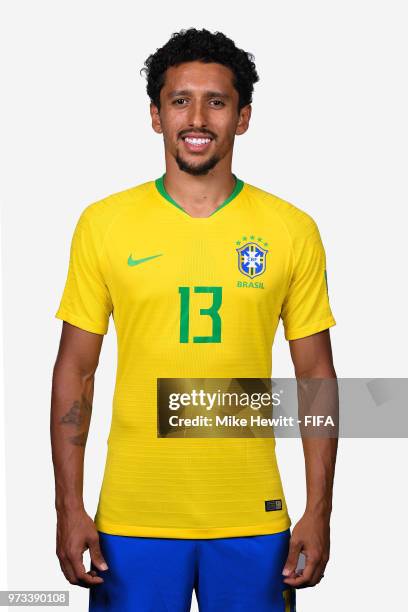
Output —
<point x="241" y="574"/>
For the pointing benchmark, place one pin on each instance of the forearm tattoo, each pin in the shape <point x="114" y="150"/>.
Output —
<point x="79" y="416"/>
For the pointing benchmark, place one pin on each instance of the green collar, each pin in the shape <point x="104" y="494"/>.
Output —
<point x="161" y="189"/>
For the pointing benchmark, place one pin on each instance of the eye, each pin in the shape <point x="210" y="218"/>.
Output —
<point x="176" y="102"/>
<point x="218" y="102"/>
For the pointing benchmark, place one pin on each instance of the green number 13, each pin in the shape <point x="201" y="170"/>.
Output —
<point x="212" y="312"/>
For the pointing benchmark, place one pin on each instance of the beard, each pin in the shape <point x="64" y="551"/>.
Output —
<point x="197" y="169"/>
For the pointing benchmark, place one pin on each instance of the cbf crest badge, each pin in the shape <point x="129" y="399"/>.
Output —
<point x="252" y="258"/>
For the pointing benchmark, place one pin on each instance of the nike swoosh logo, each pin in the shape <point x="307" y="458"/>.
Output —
<point x="136" y="262"/>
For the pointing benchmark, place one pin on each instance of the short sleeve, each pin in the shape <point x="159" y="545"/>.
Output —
<point x="306" y="308"/>
<point x="85" y="302"/>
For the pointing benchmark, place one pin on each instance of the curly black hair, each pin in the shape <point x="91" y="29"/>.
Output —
<point x="201" y="45"/>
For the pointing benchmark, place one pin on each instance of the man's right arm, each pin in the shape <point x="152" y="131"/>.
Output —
<point x="71" y="409"/>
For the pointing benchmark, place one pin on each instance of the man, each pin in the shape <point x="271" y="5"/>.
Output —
<point x="196" y="269"/>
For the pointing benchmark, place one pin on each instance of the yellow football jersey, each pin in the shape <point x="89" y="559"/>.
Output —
<point x="192" y="298"/>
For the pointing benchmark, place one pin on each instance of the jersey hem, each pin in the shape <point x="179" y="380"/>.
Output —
<point x="308" y="330"/>
<point x="64" y="315"/>
<point x="192" y="533"/>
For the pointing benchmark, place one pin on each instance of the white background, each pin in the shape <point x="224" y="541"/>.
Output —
<point x="328" y="133"/>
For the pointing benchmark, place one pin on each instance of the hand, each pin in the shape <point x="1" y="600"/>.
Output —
<point x="311" y="536"/>
<point x="76" y="532"/>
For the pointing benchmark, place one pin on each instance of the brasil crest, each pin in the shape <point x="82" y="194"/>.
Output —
<point x="251" y="259"/>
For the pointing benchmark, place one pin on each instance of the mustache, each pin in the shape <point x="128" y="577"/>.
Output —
<point x="204" y="134"/>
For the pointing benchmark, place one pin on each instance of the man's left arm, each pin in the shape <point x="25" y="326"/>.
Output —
<point x="312" y="359"/>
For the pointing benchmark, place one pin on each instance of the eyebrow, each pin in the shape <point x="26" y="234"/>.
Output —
<point x="188" y="92"/>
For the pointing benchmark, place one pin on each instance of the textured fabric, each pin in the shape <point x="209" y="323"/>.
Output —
<point x="160" y="574"/>
<point x="137" y="256"/>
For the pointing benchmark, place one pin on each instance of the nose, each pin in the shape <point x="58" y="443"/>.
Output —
<point x="197" y="114"/>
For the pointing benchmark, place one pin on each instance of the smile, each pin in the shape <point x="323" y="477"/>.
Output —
<point x="197" y="141"/>
<point x="196" y="144"/>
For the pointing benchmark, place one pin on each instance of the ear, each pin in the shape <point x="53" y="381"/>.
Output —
<point x="156" y="123"/>
<point x="243" y="120"/>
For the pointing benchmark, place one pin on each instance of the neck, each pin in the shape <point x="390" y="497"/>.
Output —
<point x="199" y="195"/>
